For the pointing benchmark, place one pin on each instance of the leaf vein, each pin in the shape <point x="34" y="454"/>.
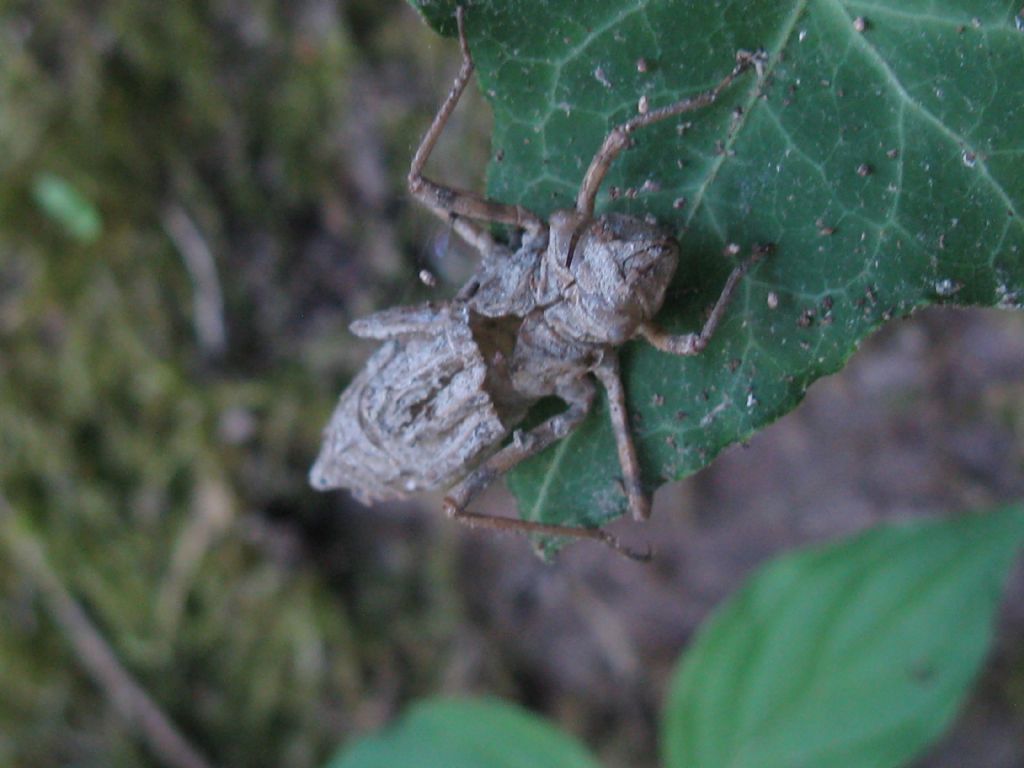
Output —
<point x="876" y="57"/>
<point x="786" y="33"/>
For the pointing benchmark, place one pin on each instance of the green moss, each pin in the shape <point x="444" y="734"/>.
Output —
<point x="143" y="462"/>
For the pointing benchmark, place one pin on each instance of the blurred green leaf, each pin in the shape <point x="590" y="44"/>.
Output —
<point x="885" y="158"/>
<point x="466" y="733"/>
<point x="857" y="654"/>
<point x="59" y="200"/>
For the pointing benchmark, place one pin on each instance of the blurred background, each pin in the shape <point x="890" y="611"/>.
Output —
<point x="196" y="198"/>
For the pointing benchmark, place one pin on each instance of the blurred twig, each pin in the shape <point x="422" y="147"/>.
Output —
<point x="92" y="650"/>
<point x="208" y="301"/>
<point x="212" y="511"/>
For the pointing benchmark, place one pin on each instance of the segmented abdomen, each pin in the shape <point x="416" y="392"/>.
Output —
<point x="415" y="418"/>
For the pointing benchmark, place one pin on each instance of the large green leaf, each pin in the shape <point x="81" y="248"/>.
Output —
<point x="853" y="655"/>
<point x="454" y="733"/>
<point x="883" y="152"/>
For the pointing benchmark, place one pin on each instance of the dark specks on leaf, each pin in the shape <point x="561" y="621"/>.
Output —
<point x="874" y="149"/>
